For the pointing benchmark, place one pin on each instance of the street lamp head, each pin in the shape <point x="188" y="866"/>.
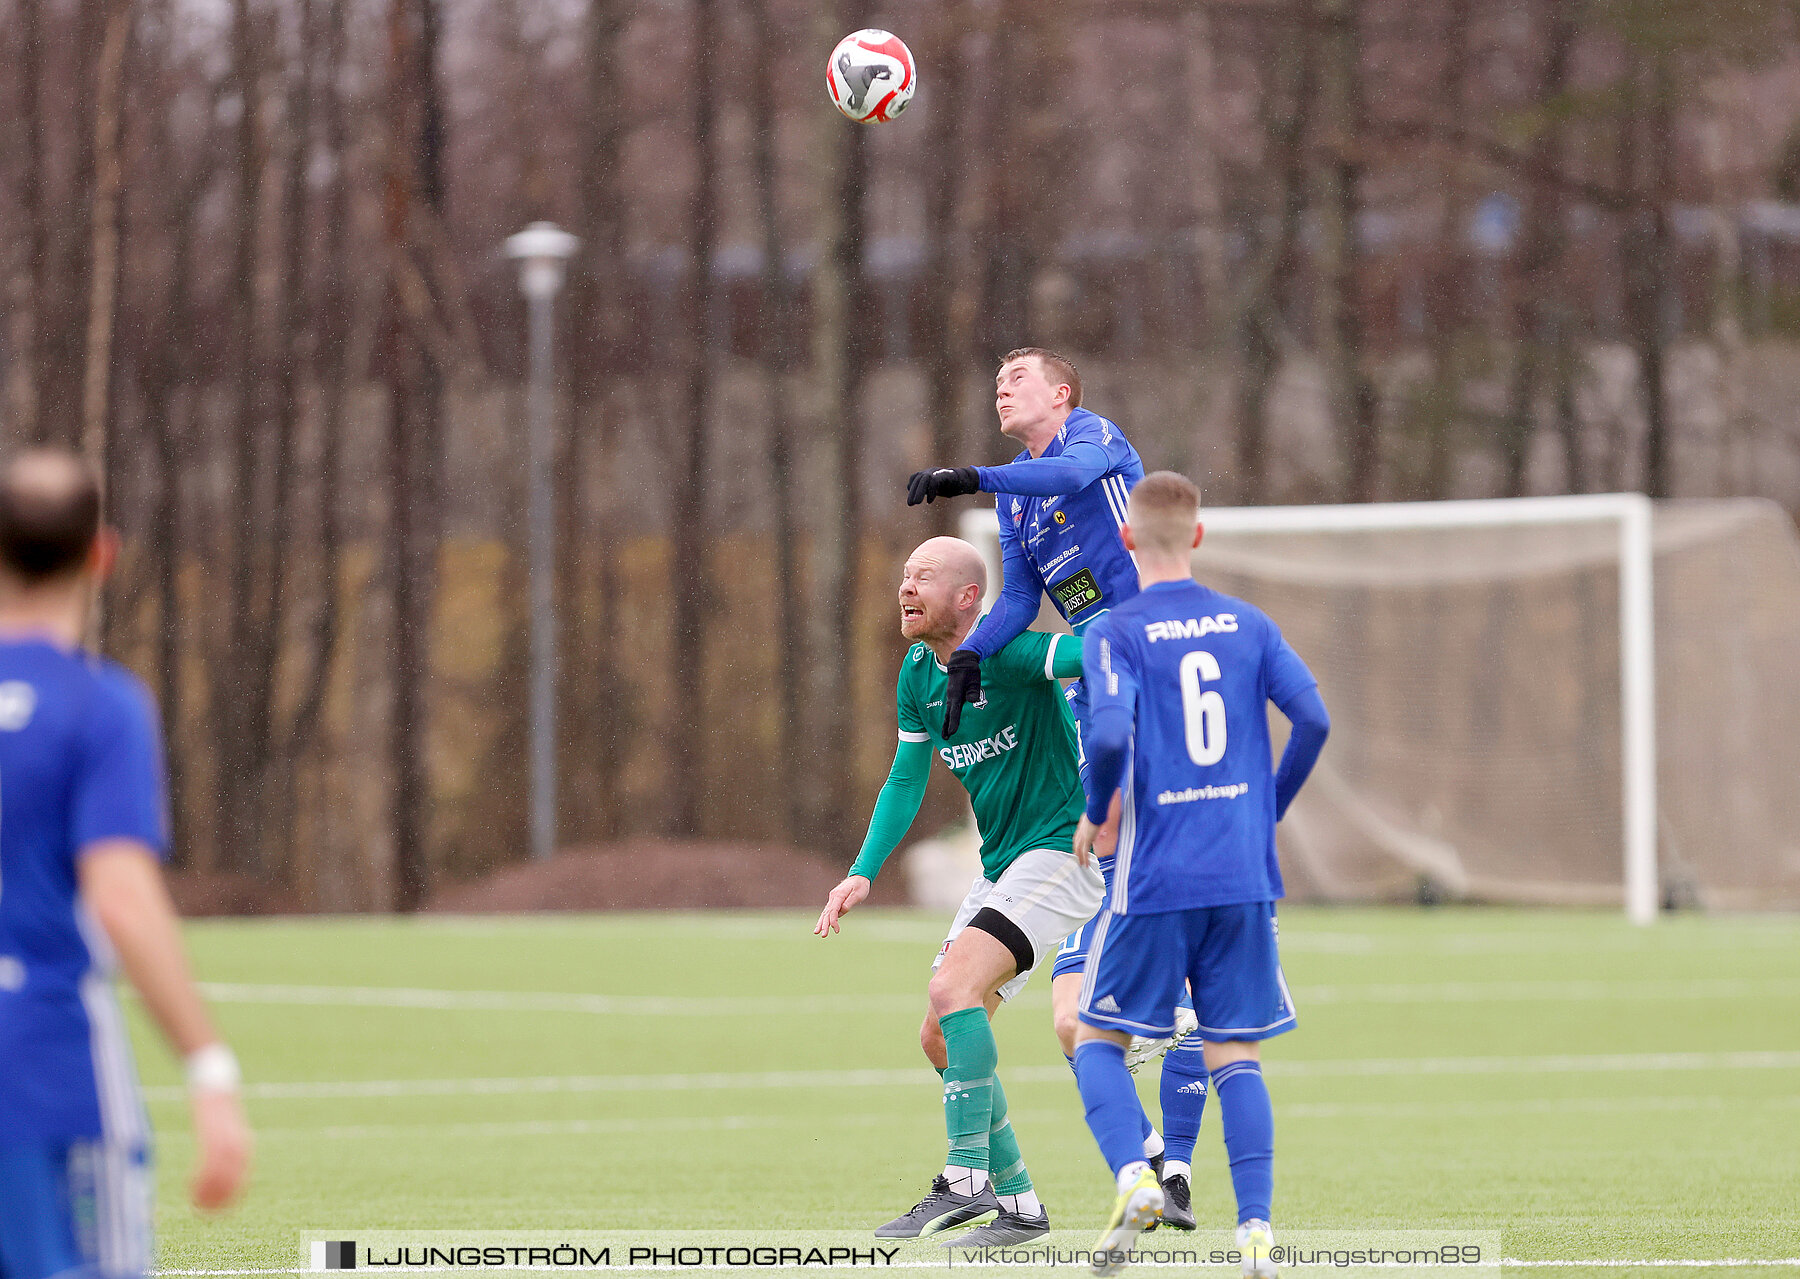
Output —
<point x="543" y="250"/>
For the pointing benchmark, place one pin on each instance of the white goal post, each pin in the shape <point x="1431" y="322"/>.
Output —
<point x="1630" y="512"/>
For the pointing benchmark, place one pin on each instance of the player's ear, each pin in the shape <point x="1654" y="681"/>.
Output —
<point x="1199" y="532"/>
<point x="104" y="553"/>
<point x="1126" y="537"/>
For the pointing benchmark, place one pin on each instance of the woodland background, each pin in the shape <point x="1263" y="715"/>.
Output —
<point x="1306" y="250"/>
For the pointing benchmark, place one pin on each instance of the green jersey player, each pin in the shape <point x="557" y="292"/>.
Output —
<point x="1014" y="752"/>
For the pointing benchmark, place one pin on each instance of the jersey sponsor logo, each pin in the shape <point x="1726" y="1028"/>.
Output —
<point x="968" y="754"/>
<point x="1077" y="593"/>
<point x="918" y="653"/>
<point x="1191" y="628"/>
<point x="1062" y="557"/>
<point x="17" y="702"/>
<point x="1060" y="518"/>
<point x="1229" y="791"/>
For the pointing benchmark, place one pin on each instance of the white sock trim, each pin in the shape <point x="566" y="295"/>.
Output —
<point x="1175" y="1168"/>
<point x="965" y="1181"/>
<point x="1025" y="1203"/>
<point x="1153" y="1144"/>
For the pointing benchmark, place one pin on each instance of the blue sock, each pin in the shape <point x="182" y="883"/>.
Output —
<point x="1249" y="1124"/>
<point x="1113" y="1113"/>
<point x="1183" y="1098"/>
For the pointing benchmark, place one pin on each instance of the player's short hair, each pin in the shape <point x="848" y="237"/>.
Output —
<point x="1162" y="512"/>
<point x="1058" y="368"/>
<point x="49" y="514"/>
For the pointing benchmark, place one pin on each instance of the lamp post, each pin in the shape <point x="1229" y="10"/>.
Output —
<point x="543" y="250"/>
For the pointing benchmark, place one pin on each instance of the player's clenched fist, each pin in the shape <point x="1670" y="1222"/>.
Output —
<point x="945" y="481"/>
<point x="843" y="899"/>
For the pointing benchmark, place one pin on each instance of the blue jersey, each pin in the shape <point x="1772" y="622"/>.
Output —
<point x="1195" y="670"/>
<point x="1060" y="539"/>
<point x="80" y="762"/>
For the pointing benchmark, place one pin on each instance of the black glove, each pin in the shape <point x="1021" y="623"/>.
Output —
<point x="955" y="481"/>
<point x="964" y="685"/>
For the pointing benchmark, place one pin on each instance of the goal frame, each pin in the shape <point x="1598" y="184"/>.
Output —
<point x="1631" y="512"/>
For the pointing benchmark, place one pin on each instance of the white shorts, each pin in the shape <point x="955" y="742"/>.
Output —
<point x="1047" y="893"/>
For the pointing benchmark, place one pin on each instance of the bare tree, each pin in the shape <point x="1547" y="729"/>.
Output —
<point x="687" y="508"/>
<point x="1541" y="319"/>
<point x="1290" y="89"/>
<point x="1337" y="192"/>
<point x="840" y="360"/>
<point x="778" y="360"/>
<point x="598" y="336"/>
<point x="415" y="347"/>
<point x="332" y="371"/>
<point x="946" y="335"/>
<point x="1446" y="302"/>
<point x="238" y="755"/>
<point x="26" y="286"/>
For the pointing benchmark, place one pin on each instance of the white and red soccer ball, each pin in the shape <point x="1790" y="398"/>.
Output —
<point x="871" y="76"/>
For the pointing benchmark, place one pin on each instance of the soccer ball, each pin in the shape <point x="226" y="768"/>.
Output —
<point x="870" y="76"/>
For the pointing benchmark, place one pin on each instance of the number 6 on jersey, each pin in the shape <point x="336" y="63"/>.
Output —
<point x="1203" y="712"/>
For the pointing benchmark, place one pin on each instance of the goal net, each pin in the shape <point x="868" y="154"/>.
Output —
<point x="1583" y="700"/>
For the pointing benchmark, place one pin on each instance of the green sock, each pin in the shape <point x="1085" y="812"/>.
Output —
<point x="1006" y="1164"/>
<point x="969" y="1086"/>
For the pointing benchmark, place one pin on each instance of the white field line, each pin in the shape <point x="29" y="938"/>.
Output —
<point x="554" y="1002"/>
<point x="737" y="1123"/>
<point x="1451" y="992"/>
<point x="1571" y="1063"/>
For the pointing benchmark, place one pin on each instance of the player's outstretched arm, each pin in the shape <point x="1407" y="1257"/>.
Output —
<point x="1070" y="472"/>
<point x="1074" y="469"/>
<point x="122" y="886"/>
<point x="895" y="808"/>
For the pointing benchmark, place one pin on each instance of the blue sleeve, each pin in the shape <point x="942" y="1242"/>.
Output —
<point x="1296" y="694"/>
<point x="1078" y="466"/>
<point x="1111" y="688"/>
<point x="118" y="787"/>
<point x="1017" y="607"/>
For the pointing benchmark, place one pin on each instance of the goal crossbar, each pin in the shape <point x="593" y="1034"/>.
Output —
<point x="1637" y="671"/>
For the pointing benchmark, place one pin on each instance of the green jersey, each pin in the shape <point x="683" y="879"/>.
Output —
<point x="1015" y="750"/>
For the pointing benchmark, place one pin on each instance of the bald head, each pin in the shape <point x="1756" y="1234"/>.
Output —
<point x="940" y="591"/>
<point x="49" y="514"/>
<point x="958" y="561"/>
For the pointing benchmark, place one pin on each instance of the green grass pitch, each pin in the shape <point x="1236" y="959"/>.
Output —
<point x="1587" y="1089"/>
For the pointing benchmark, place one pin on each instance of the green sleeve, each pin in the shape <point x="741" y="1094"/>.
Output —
<point x="1035" y="656"/>
<point x="896" y="806"/>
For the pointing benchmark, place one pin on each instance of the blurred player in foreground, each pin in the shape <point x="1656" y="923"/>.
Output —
<point x="1014" y="752"/>
<point x="81" y="835"/>
<point x="1061" y="505"/>
<point x="1178" y="680"/>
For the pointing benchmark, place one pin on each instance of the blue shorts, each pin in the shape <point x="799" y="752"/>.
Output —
<point x="76" y="1209"/>
<point x="1226" y="955"/>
